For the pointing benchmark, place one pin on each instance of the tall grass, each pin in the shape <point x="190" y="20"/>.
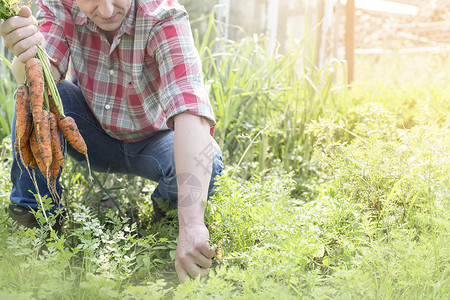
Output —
<point x="271" y="96"/>
<point x="7" y="88"/>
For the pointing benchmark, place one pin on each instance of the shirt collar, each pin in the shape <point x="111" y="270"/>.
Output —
<point x="78" y="16"/>
<point x="130" y="19"/>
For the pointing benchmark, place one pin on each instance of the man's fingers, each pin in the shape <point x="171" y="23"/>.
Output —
<point x="21" y="35"/>
<point x="192" y="267"/>
<point x="193" y="257"/>
<point x="24" y="33"/>
<point x="202" y="261"/>
<point x="195" y="271"/>
<point x="27" y="54"/>
<point x="190" y="271"/>
<point x="182" y="274"/>
<point x="23" y="18"/>
<point x="25" y="12"/>
<point x="26" y="46"/>
<point x="13" y="23"/>
<point x="203" y="272"/>
<point x="206" y="251"/>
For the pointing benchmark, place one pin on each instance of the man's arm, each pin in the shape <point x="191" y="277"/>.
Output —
<point x="193" y="254"/>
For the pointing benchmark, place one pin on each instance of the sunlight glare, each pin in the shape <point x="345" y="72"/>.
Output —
<point x="385" y="6"/>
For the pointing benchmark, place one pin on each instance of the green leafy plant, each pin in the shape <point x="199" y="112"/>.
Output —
<point x="7" y="89"/>
<point x="251" y="88"/>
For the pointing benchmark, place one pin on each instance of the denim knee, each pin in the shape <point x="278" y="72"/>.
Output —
<point x="167" y="188"/>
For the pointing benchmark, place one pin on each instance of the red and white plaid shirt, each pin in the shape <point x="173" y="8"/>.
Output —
<point x="136" y="85"/>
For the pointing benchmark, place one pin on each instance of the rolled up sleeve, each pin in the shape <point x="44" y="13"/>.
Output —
<point x="180" y="68"/>
<point x="56" y="44"/>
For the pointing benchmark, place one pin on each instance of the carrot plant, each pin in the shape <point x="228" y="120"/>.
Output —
<point x="374" y="224"/>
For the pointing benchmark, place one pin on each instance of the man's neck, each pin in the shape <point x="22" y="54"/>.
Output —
<point x="109" y="35"/>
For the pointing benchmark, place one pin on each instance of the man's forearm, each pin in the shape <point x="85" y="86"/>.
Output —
<point x="193" y="161"/>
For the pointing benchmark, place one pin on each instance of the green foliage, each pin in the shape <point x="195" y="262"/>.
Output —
<point x="375" y="224"/>
<point x="93" y="260"/>
<point x="378" y="226"/>
<point x="268" y="95"/>
<point x="8" y="8"/>
<point x="7" y="88"/>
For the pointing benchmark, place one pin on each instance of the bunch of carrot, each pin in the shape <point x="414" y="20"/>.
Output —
<point x="40" y="116"/>
<point x="39" y="121"/>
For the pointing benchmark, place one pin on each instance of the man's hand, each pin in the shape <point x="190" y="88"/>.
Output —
<point x="193" y="255"/>
<point x="21" y="35"/>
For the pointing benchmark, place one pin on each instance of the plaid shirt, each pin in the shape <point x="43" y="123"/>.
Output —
<point x="136" y="85"/>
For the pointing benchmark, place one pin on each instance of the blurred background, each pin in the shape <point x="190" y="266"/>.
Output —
<point x="371" y="30"/>
<point x="368" y="29"/>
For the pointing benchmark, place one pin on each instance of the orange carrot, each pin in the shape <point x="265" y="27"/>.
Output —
<point x="33" y="163"/>
<point x="52" y="107"/>
<point x="44" y="138"/>
<point x="35" y="81"/>
<point x="26" y="156"/>
<point x="219" y="252"/>
<point x="28" y="127"/>
<point x="55" y="168"/>
<point x="23" y="114"/>
<point x="16" y="146"/>
<point x="70" y="131"/>
<point x="56" y="140"/>
<point x="34" y="145"/>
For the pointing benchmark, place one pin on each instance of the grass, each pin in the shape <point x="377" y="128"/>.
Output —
<point x="328" y="194"/>
<point x="372" y="222"/>
<point x="266" y="95"/>
<point x="7" y="89"/>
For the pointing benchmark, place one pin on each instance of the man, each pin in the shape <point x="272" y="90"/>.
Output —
<point x="138" y="100"/>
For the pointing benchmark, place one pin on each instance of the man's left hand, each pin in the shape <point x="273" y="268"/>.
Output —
<point x="193" y="254"/>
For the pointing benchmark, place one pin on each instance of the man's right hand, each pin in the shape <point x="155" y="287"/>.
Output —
<point x="21" y="35"/>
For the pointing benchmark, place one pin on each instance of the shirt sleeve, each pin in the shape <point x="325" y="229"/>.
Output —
<point x="56" y="44"/>
<point x="182" y="87"/>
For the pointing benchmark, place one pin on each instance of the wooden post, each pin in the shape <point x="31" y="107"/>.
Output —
<point x="337" y="31"/>
<point x="350" y="38"/>
<point x="272" y="24"/>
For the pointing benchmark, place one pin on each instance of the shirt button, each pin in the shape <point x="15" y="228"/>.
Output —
<point x="107" y="106"/>
<point x="111" y="72"/>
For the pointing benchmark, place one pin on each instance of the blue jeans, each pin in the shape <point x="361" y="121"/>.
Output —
<point x="152" y="158"/>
